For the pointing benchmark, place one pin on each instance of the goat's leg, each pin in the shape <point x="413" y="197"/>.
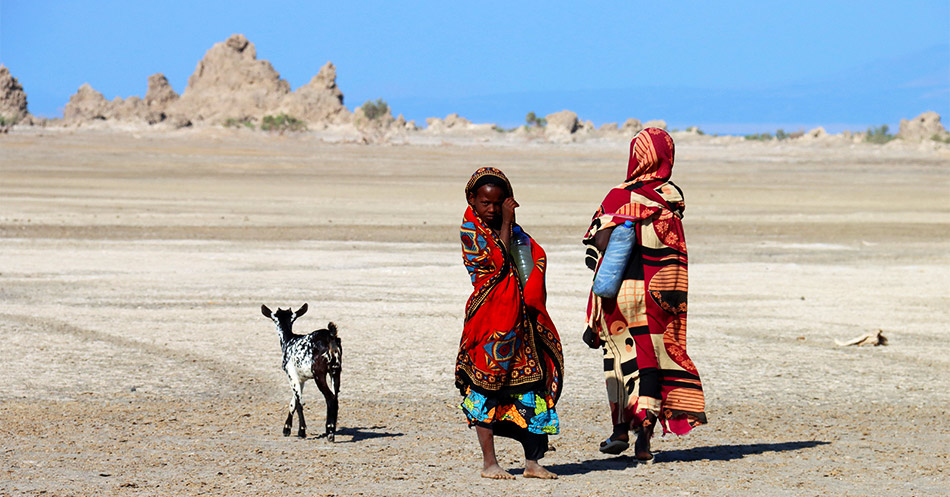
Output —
<point x="333" y="405"/>
<point x="335" y="376"/>
<point x="302" y="428"/>
<point x="290" y="413"/>
<point x="295" y="395"/>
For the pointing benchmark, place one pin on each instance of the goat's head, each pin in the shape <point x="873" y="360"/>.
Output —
<point x="284" y="318"/>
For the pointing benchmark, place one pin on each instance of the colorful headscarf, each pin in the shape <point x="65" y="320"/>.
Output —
<point x="646" y="191"/>
<point x="487" y="173"/>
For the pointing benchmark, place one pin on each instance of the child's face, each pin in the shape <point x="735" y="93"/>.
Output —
<point x="487" y="202"/>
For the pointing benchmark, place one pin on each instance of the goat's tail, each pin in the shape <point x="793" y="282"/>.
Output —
<point x="336" y="349"/>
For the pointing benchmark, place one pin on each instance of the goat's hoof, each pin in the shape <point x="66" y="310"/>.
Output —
<point x="286" y="432"/>
<point x="331" y="437"/>
<point x="302" y="434"/>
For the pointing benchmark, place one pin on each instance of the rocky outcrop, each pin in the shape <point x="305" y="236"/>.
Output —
<point x="402" y="124"/>
<point x="160" y="93"/>
<point x="12" y="97"/>
<point x="319" y="102"/>
<point x="160" y="97"/>
<point x="561" y="124"/>
<point x="585" y="128"/>
<point x="657" y="123"/>
<point x="631" y="127"/>
<point x="453" y="123"/>
<point x="437" y="125"/>
<point x="129" y="109"/>
<point x="923" y="127"/>
<point x="229" y="82"/>
<point x="87" y="104"/>
<point x="815" y="134"/>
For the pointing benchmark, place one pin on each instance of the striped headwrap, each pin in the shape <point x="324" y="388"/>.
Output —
<point x="651" y="156"/>
<point x="485" y="175"/>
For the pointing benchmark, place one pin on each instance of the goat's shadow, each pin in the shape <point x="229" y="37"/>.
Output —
<point x="710" y="453"/>
<point x="360" y="433"/>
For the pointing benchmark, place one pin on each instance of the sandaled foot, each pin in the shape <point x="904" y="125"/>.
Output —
<point x="615" y="444"/>
<point x="534" y="470"/>
<point x="496" y="472"/>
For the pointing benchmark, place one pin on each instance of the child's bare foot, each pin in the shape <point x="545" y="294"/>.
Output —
<point x="496" y="472"/>
<point x="534" y="470"/>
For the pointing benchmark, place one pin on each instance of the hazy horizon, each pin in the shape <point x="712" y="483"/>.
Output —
<point x="739" y="70"/>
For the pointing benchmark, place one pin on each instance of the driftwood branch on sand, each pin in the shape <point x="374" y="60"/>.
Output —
<point x="873" y="338"/>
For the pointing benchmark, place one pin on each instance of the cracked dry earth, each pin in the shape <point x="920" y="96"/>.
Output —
<point x="135" y="360"/>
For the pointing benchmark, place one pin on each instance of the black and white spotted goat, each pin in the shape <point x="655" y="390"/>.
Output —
<point x="318" y="356"/>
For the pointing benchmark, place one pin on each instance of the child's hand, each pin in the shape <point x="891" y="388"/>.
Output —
<point x="508" y="211"/>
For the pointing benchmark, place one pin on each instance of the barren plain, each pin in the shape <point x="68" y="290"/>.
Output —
<point x="135" y="360"/>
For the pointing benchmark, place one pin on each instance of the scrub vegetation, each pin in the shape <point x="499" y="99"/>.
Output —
<point x="373" y="110"/>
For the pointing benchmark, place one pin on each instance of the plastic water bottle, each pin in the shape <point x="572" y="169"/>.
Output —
<point x="521" y="253"/>
<point x="610" y="274"/>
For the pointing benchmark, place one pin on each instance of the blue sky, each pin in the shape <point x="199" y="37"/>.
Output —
<point x="739" y="66"/>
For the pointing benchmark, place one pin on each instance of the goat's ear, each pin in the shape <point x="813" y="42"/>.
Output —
<point x="265" y="311"/>
<point x="301" y="311"/>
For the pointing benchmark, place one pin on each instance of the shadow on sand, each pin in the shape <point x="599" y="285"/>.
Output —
<point x="711" y="453"/>
<point x="359" y="433"/>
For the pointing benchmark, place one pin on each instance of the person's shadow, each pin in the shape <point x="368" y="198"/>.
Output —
<point x="359" y="433"/>
<point x="710" y="453"/>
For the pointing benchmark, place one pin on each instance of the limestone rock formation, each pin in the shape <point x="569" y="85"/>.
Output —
<point x="87" y="104"/>
<point x="160" y="93"/>
<point x="12" y="97"/>
<point x="229" y="82"/>
<point x="159" y="98"/>
<point x="631" y="127"/>
<point x="561" y="123"/>
<point x="435" y="125"/>
<point x="923" y="127"/>
<point x="816" y="133"/>
<point x="453" y="123"/>
<point x="585" y="128"/>
<point x="402" y="124"/>
<point x="608" y="128"/>
<point x="318" y="102"/>
<point x="129" y="109"/>
<point x="657" y="123"/>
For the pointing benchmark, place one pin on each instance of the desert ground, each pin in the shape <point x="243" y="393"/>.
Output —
<point x="135" y="359"/>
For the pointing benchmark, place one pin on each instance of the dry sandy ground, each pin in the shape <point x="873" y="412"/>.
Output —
<point x="135" y="360"/>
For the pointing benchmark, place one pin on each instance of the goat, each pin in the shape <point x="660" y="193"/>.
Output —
<point x="317" y="356"/>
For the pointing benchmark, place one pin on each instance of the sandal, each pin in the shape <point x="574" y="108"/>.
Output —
<point x="611" y="446"/>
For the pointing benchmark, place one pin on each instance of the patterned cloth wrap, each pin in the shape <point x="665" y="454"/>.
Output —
<point x="643" y="329"/>
<point x="510" y="359"/>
